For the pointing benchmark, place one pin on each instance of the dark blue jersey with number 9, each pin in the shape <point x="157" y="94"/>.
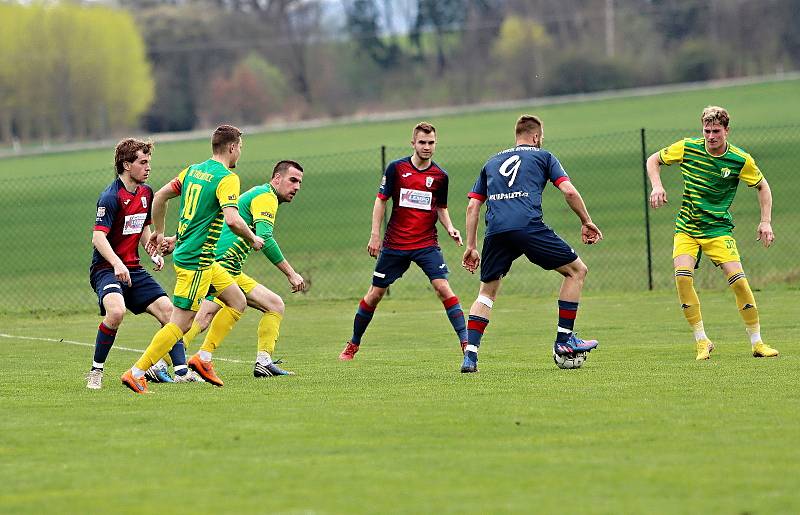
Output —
<point x="511" y="183"/>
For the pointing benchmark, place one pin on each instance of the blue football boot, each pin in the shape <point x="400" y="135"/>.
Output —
<point x="270" y="370"/>
<point x="574" y="344"/>
<point x="157" y="374"/>
<point x="470" y="363"/>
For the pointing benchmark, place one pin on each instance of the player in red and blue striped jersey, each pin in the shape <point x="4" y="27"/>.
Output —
<point x="511" y="183"/>
<point x="116" y="274"/>
<point x="418" y="189"/>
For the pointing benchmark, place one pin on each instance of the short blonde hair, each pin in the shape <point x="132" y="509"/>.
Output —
<point x="715" y="114"/>
<point x="528" y="124"/>
<point x="425" y="127"/>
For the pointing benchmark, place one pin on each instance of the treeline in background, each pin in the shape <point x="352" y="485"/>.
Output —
<point x="92" y="70"/>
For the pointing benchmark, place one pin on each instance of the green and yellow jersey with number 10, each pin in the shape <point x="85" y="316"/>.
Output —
<point x="709" y="185"/>
<point x="205" y="189"/>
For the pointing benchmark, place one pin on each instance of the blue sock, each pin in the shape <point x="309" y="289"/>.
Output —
<point x="103" y="344"/>
<point x="361" y="321"/>
<point x="178" y="355"/>
<point x="567" y="311"/>
<point x="475" y="329"/>
<point x="456" y="316"/>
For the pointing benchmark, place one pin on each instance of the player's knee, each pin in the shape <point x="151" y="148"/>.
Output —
<point x="442" y="288"/>
<point x="374" y="295"/>
<point x="164" y="313"/>
<point x="114" y="316"/>
<point x="275" y="304"/>
<point x="238" y="304"/>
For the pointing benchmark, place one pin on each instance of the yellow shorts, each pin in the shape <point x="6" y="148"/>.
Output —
<point x="721" y="249"/>
<point x="192" y="286"/>
<point x="245" y="282"/>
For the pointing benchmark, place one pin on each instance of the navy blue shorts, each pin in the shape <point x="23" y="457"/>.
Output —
<point x="540" y="245"/>
<point x="393" y="263"/>
<point x="144" y="290"/>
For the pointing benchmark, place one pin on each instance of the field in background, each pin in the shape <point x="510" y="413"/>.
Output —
<point x="50" y="199"/>
<point x="641" y="428"/>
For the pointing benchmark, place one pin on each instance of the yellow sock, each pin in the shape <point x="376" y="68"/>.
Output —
<point x="744" y="299"/>
<point x="190" y="335"/>
<point x="221" y="325"/>
<point x="690" y="303"/>
<point x="268" y="331"/>
<point x="162" y="342"/>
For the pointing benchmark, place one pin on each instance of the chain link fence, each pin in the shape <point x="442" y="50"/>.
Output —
<point x="325" y="230"/>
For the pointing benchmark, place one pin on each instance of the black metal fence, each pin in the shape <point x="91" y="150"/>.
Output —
<point x="48" y="220"/>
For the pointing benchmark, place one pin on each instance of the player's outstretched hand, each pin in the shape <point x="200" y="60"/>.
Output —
<point x="374" y="246"/>
<point x="296" y="282"/>
<point x="765" y="234"/>
<point x="153" y="245"/>
<point x="658" y="197"/>
<point x="453" y="232"/>
<point x="122" y="273"/>
<point x="158" y="262"/>
<point x="168" y="245"/>
<point x="471" y="260"/>
<point x="590" y="234"/>
<point x="258" y="243"/>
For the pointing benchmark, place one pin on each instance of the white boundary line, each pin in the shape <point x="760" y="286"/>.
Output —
<point x="84" y="344"/>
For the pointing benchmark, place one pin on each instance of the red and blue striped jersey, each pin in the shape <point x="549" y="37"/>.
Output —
<point x="122" y="215"/>
<point x="416" y="195"/>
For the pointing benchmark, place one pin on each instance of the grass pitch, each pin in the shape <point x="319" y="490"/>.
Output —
<point x="641" y="428"/>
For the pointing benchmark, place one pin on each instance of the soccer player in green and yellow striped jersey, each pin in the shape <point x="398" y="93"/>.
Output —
<point x="209" y="194"/>
<point x="711" y="169"/>
<point x="259" y="208"/>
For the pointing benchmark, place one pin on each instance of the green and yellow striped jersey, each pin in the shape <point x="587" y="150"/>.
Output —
<point x="709" y="185"/>
<point x="258" y="205"/>
<point x="205" y="189"/>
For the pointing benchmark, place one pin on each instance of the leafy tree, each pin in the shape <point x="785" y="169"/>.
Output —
<point x="75" y="71"/>
<point x="363" y="26"/>
<point x="443" y="16"/>
<point x="248" y="94"/>
<point x="519" y="51"/>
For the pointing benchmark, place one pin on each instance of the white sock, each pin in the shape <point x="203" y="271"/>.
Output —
<point x="755" y="334"/>
<point x="204" y="355"/>
<point x="161" y="363"/>
<point x="95" y="364"/>
<point x="699" y="331"/>
<point x="138" y="373"/>
<point x="263" y="357"/>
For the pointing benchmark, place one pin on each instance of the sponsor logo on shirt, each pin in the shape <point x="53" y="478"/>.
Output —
<point x="416" y="199"/>
<point x="508" y="196"/>
<point x="267" y="214"/>
<point x="134" y="223"/>
<point x="126" y="201"/>
<point x="407" y="174"/>
<point x="231" y="197"/>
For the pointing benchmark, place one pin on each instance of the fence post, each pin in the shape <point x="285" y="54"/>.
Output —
<point x="647" y="213"/>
